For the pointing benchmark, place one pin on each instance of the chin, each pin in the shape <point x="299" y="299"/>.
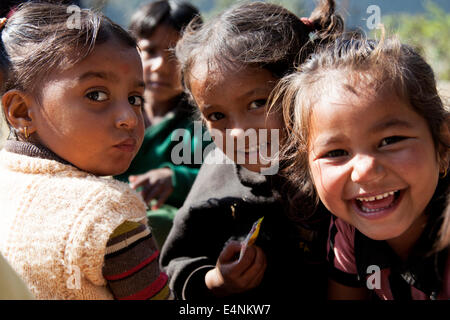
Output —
<point x="111" y="171"/>
<point x="382" y="234"/>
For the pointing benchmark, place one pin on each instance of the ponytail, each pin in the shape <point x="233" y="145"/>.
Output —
<point x="327" y="24"/>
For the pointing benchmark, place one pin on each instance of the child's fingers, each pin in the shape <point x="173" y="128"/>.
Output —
<point x="241" y="266"/>
<point x="254" y="258"/>
<point x="137" y="181"/>
<point x="256" y="272"/>
<point x="229" y="253"/>
<point x="152" y="192"/>
<point x="162" y="198"/>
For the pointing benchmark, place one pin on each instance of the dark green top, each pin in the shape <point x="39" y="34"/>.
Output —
<point x="161" y="141"/>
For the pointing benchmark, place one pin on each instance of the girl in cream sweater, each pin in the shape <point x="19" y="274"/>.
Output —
<point x="73" y="102"/>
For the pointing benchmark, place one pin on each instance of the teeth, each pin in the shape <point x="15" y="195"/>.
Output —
<point x="252" y="149"/>
<point x="378" y="197"/>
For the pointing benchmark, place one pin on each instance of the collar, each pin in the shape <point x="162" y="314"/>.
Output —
<point x="261" y="185"/>
<point x="424" y="269"/>
<point x="32" y="150"/>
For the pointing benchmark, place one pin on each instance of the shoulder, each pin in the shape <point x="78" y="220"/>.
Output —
<point x="103" y="205"/>
<point x="341" y="253"/>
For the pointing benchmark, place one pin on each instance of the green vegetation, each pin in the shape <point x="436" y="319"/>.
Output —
<point x="121" y="11"/>
<point x="429" y="33"/>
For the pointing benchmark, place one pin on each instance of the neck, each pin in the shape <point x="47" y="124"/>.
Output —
<point x="156" y="110"/>
<point x="403" y="244"/>
<point x="32" y="149"/>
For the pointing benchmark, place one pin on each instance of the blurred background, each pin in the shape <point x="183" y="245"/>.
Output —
<point x="424" y="24"/>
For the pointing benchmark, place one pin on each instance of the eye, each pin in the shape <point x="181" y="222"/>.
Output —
<point x="391" y="140"/>
<point x="335" y="154"/>
<point x="136" y="101"/>
<point x="97" y="96"/>
<point x="258" y="104"/>
<point x="215" y="116"/>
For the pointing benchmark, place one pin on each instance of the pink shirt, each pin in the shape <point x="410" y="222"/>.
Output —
<point x="344" y="267"/>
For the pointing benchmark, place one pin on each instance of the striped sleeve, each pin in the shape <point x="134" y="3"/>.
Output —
<point x="131" y="266"/>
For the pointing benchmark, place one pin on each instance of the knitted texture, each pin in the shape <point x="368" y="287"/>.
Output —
<point x="55" y="222"/>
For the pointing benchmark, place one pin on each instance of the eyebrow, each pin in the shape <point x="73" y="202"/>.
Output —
<point x="393" y="122"/>
<point x="256" y="91"/>
<point x="253" y="92"/>
<point x="206" y="107"/>
<point x="98" y="74"/>
<point x="378" y="127"/>
<point x="330" y="140"/>
<point x="106" y="76"/>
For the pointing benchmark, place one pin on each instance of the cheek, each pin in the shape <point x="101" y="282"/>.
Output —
<point x="329" y="182"/>
<point x="416" y="164"/>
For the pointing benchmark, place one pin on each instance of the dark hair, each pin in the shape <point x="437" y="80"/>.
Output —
<point x="376" y="66"/>
<point x="257" y="34"/>
<point x="175" y="14"/>
<point x="38" y="41"/>
<point x="4" y="67"/>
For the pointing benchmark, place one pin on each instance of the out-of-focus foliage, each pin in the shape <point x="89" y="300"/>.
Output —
<point x="121" y="10"/>
<point x="296" y="6"/>
<point x="429" y="33"/>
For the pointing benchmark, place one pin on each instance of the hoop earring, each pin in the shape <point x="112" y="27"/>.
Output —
<point x="25" y="131"/>
<point x="445" y="173"/>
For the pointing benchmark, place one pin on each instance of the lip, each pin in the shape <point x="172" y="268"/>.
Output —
<point x="128" y="145"/>
<point x="374" y="194"/>
<point x="381" y="213"/>
<point x="254" y="149"/>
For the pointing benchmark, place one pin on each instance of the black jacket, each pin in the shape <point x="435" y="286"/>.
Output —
<point x="222" y="205"/>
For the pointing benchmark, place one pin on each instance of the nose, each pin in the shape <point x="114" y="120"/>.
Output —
<point x="156" y="63"/>
<point x="239" y="125"/>
<point x="126" y="118"/>
<point x="243" y="134"/>
<point x="366" y="169"/>
<point x="236" y="133"/>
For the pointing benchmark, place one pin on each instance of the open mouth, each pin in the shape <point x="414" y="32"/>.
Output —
<point x="374" y="206"/>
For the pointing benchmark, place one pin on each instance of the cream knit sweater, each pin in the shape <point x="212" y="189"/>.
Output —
<point x="55" y="221"/>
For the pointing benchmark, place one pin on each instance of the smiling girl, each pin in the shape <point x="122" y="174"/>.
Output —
<point x="371" y="128"/>
<point x="73" y="103"/>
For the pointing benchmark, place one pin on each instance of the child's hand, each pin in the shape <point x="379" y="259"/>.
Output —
<point x="234" y="276"/>
<point x="156" y="184"/>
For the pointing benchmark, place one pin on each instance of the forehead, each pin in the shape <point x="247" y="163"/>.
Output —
<point x="346" y="108"/>
<point x="211" y="79"/>
<point x="112" y="55"/>
<point x="163" y="35"/>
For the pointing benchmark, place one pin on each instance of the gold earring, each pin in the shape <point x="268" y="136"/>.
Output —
<point x="25" y="131"/>
<point x="445" y="173"/>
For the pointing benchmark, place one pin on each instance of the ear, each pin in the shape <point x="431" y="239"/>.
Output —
<point x="17" y="107"/>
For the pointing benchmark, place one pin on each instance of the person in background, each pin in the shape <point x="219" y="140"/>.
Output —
<point x="163" y="184"/>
